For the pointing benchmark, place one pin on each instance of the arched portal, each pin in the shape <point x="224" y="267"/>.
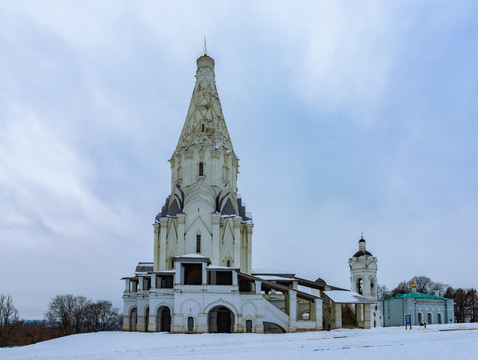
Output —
<point x="439" y="320"/>
<point x="133" y="318"/>
<point x="220" y="320"/>
<point x="163" y="317"/>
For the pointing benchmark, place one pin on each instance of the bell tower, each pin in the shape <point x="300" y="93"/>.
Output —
<point x="363" y="271"/>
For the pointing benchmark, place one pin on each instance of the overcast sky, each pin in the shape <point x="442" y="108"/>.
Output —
<point x="346" y="116"/>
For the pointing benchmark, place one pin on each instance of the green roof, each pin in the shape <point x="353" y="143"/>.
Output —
<point x="417" y="295"/>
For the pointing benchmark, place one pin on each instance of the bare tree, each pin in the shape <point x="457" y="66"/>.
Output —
<point x="80" y="313"/>
<point x="9" y="319"/>
<point x="59" y="313"/>
<point x="472" y="302"/>
<point x="383" y="292"/>
<point x="102" y="316"/>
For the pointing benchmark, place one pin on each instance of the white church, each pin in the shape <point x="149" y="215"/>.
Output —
<point x="201" y="279"/>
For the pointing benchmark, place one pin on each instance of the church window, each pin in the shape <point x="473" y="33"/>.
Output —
<point x="430" y="318"/>
<point x="419" y="317"/>
<point x="202" y="127"/>
<point x="198" y="243"/>
<point x="201" y="168"/>
<point x="190" y="323"/>
<point x="228" y="263"/>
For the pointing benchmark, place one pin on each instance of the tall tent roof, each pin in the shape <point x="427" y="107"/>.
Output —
<point x="205" y="124"/>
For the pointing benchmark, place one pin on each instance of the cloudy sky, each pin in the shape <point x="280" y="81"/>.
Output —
<point x="346" y="116"/>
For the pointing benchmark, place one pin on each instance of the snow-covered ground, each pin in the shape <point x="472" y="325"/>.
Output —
<point x="436" y="342"/>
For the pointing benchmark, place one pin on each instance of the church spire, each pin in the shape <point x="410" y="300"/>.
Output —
<point x="205" y="124"/>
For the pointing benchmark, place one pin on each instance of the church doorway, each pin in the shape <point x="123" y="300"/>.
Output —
<point x="221" y="320"/>
<point x="133" y="318"/>
<point x="146" y="319"/>
<point x="164" y="319"/>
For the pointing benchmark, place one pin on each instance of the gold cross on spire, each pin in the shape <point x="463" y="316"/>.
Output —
<point x="205" y="47"/>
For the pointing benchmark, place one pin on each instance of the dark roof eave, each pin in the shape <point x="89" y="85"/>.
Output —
<point x="275" y="286"/>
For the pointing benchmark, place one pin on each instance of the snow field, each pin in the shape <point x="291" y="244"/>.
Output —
<point x="454" y="341"/>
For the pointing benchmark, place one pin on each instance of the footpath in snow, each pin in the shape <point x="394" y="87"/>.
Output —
<point x="455" y="341"/>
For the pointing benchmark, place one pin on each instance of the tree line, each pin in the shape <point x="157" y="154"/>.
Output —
<point x="66" y="315"/>
<point x="466" y="300"/>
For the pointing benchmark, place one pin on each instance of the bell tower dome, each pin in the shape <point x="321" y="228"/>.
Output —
<point x="363" y="271"/>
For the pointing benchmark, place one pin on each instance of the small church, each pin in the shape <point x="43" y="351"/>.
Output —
<point x="202" y="279"/>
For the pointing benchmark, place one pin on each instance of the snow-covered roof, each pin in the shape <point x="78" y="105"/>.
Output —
<point x="192" y="256"/>
<point x="274" y="278"/>
<point x="347" y="297"/>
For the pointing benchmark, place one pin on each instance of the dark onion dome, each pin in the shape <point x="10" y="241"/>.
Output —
<point x="362" y="253"/>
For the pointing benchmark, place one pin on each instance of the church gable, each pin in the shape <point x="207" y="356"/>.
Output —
<point x="172" y="234"/>
<point x="227" y="233"/>
<point x="198" y="224"/>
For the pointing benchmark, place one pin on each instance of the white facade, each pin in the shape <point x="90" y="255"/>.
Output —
<point x="204" y="213"/>
<point x="201" y="279"/>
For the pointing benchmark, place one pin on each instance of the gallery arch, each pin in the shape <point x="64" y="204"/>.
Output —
<point x="164" y="319"/>
<point x="221" y="320"/>
<point x="133" y="319"/>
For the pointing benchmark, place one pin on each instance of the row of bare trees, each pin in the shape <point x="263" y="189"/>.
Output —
<point x="466" y="303"/>
<point x="66" y="314"/>
<point x="424" y="285"/>
<point x="77" y="314"/>
<point x="466" y="300"/>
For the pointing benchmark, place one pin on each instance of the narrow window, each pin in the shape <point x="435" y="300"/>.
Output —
<point x="198" y="243"/>
<point x="202" y="127"/>
<point x="248" y="326"/>
<point x="228" y="263"/>
<point x="201" y="168"/>
<point x="190" y="324"/>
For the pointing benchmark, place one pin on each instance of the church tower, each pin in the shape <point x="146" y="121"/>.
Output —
<point x="204" y="214"/>
<point x="363" y="271"/>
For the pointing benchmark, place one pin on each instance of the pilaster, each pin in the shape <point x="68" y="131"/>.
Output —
<point x="156" y="246"/>
<point x="237" y="242"/>
<point x="181" y="224"/>
<point x="162" y="243"/>
<point x="216" y="219"/>
<point x="249" y="228"/>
